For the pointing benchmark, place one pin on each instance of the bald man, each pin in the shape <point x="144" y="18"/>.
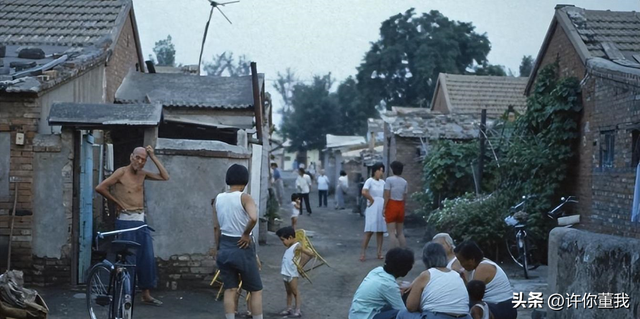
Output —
<point x="447" y="242"/>
<point x="127" y="192"/>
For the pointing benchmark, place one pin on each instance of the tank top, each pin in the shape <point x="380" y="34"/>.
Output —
<point x="485" y="309"/>
<point x="450" y="264"/>
<point x="445" y="292"/>
<point x="288" y="267"/>
<point x="499" y="289"/>
<point x="232" y="217"/>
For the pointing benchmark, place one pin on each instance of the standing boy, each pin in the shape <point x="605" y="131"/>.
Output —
<point x="303" y="185"/>
<point x="289" y="269"/>
<point x="234" y="216"/>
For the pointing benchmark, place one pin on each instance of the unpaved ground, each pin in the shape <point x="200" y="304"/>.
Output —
<point x="337" y="236"/>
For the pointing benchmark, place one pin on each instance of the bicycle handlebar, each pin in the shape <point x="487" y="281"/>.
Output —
<point x="116" y="232"/>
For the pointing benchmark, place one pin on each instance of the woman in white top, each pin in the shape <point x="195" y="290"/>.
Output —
<point x="499" y="293"/>
<point x="438" y="293"/>
<point x="373" y="191"/>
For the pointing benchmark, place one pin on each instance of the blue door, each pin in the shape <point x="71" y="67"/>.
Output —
<point x="86" y="206"/>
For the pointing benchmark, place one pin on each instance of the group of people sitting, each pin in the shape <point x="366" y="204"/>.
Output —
<point x="458" y="283"/>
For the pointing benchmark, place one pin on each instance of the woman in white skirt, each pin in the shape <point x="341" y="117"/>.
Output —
<point x="373" y="191"/>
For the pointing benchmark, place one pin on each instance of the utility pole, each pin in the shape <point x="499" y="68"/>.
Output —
<point x="483" y="127"/>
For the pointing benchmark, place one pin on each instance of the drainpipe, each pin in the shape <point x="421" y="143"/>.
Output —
<point x="257" y="105"/>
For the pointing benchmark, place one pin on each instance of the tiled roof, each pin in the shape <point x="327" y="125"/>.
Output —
<point x="423" y="123"/>
<point x="339" y="141"/>
<point x="101" y="115"/>
<point x="67" y="23"/>
<point x="469" y="94"/>
<point x="610" y="35"/>
<point x="183" y="90"/>
<point x="599" y="28"/>
<point x="375" y="125"/>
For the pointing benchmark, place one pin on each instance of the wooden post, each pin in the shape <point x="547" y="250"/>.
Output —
<point x="257" y="104"/>
<point x="483" y="126"/>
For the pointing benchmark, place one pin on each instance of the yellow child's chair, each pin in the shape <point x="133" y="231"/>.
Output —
<point x="301" y="260"/>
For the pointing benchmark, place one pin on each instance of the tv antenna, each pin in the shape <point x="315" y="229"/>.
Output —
<point x="214" y="5"/>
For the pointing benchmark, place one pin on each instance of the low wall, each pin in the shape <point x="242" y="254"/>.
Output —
<point x="584" y="262"/>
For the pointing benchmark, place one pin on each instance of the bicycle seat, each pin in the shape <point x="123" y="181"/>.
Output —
<point x="124" y="247"/>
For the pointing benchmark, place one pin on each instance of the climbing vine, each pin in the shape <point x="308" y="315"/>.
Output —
<point x="532" y="156"/>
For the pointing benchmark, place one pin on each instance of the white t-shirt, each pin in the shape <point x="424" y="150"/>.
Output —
<point x="288" y="267"/>
<point x="303" y="183"/>
<point x="295" y="212"/>
<point x="323" y="183"/>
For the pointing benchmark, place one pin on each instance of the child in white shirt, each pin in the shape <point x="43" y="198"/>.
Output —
<point x="289" y="269"/>
<point x="295" y="210"/>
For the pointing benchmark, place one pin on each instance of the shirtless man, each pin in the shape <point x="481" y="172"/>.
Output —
<point x="128" y="195"/>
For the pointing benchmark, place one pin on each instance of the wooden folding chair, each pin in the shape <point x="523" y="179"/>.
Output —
<point x="301" y="260"/>
<point x="217" y="280"/>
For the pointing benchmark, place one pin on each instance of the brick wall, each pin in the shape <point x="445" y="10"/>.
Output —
<point x="186" y="271"/>
<point x="405" y="152"/>
<point x="578" y="182"/>
<point x="616" y="107"/>
<point x="440" y="103"/>
<point x="19" y="113"/>
<point x="124" y="58"/>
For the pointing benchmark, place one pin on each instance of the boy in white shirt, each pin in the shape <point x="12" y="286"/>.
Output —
<point x="289" y="269"/>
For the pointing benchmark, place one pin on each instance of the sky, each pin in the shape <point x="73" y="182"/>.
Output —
<point x="315" y="37"/>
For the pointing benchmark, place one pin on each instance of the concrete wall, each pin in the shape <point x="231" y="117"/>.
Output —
<point x="88" y="88"/>
<point x="180" y="209"/>
<point x="583" y="262"/>
<point x="52" y="195"/>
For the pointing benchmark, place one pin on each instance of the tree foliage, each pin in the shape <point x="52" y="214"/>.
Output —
<point x="165" y="52"/>
<point x="402" y="67"/>
<point x="284" y="86"/>
<point x="226" y="64"/>
<point x="526" y="66"/>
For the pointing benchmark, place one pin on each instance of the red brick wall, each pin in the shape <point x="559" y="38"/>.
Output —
<point x="125" y="57"/>
<point x="19" y="113"/>
<point x="561" y="50"/>
<point x="615" y="107"/>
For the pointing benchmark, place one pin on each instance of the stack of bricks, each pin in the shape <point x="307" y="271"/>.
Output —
<point x="186" y="271"/>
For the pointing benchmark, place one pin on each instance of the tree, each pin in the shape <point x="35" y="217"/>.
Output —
<point x="226" y="62"/>
<point x="353" y="111"/>
<point x="284" y="86"/>
<point x="402" y="67"/>
<point x="489" y="69"/>
<point x="526" y="66"/>
<point x="313" y="114"/>
<point x="165" y="52"/>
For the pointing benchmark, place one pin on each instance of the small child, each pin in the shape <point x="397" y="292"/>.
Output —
<point x="480" y="309"/>
<point x="295" y="211"/>
<point x="289" y="270"/>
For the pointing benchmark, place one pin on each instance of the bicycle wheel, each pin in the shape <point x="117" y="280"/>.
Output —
<point x="524" y="254"/>
<point x="123" y="305"/>
<point x="99" y="296"/>
<point x="515" y="253"/>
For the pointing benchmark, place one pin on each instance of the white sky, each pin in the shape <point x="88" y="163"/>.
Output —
<point x="317" y="37"/>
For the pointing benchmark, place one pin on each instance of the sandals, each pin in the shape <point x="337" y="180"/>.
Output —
<point x="295" y="315"/>
<point x="380" y="256"/>
<point x="152" y="302"/>
<point x="286" y="312"/>
<point x="362" y="258"/>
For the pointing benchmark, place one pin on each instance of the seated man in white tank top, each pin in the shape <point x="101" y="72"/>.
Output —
<point x="499" y="293"/>
<point x="234" y="216"/>
<point x="447" y="243"/>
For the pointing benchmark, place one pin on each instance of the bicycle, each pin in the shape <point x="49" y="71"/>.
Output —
<point x="110" y="286"/>
<point x="519" y="246"/>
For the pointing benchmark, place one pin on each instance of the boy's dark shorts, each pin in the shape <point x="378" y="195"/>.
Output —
<point x="237" y="264"/>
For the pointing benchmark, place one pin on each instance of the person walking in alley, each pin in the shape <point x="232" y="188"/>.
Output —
<point x="341" y="189"/>
<point x="128" y="195"/>
<point x="303" y="185"/>
<point x="234" y="216"/>
<point x="278" y="184"/>
<point x="373" y="190"/>
<point x="323" y="188"/>
<point x="395" y="195"/>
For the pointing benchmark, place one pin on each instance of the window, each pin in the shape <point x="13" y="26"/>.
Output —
<point x="607" y="148"/>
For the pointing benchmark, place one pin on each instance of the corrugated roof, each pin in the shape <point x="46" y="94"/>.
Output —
<point x="182" y="90"/>
<point x="375" y="125"/>
<point x="431" y="125"/>
<point x="54" y="22"/>
<point x="100" y="115"/>
<point x="469" y="94"/>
